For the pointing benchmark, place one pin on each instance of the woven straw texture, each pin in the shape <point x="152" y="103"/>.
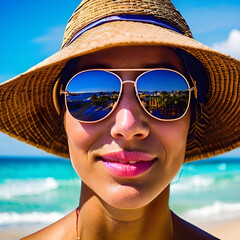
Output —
<point x="91" y="11"/>
<point x="29" y="114"/>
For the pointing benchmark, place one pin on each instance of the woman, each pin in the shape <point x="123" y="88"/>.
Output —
<point x="129" y="98"/>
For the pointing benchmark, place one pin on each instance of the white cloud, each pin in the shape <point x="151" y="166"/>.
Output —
<point x="54" y="34"/>
<point x="52" y="40"/>
<point x="231" y="46"/>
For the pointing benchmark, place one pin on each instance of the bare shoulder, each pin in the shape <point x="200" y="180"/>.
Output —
<point x="65" y="228"/>
<point x="187" y="231"/>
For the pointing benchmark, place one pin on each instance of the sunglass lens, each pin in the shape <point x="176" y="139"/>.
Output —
<point x="163" y="93"/>
<point x="92" y="94"/>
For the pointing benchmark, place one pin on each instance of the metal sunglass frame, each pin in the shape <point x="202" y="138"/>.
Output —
<point x="144" y="70"/>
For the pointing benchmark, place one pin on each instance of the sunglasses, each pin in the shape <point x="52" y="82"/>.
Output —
<point x="92" y="95"/>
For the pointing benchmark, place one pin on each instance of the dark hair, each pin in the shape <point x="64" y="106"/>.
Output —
<point x="196" y="71"/>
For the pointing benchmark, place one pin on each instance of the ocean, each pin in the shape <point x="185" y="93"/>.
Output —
<point x="41" y="190"/>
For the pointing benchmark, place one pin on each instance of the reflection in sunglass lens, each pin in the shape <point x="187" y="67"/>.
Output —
<point x="163" y="93"/>
<point x="91" y="94"/>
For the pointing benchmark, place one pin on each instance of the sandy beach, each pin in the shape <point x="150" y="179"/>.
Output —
<point x="224" y="231"/>
<point x="17" y="232"/>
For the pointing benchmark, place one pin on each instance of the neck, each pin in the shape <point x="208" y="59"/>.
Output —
<point x="152" y="222"/>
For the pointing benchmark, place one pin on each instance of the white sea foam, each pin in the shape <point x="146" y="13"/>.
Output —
<point x="194" y="183"/>
<point x="217" y="211"/>
<point x="13" y="188"/>
<point x="8" y="218"/>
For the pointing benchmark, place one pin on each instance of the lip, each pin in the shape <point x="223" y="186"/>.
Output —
<point x="128" y="164"/>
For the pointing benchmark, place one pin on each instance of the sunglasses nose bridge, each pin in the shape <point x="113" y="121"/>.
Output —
<point x="129" y="92"/>
<point x="131" y="82"/>
<point x="128" y="81"/>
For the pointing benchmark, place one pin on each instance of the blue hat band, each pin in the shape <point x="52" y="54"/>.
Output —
<point x="134" y="18"/>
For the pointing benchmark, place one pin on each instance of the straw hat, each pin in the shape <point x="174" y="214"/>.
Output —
<point x="28" y="102"/>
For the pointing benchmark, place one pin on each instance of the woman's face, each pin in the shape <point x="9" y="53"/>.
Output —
<point x="96" y="149"/>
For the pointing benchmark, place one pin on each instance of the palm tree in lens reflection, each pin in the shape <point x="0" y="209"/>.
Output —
<point x="103" y="99"/>
<point x="165" y="103"/>
<point x="173" y="103"/>
<point x="94" y="99"/>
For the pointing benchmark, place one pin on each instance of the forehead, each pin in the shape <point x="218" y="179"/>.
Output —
<point x="132" y="57"/>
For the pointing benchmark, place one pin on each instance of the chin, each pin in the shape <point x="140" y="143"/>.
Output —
<point x="128" y="197"/>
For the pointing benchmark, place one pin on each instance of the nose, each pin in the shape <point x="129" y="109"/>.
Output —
<point x="130" y="120"/>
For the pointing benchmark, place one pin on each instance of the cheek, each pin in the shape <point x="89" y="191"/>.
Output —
<point x="173" y="136"/>
<point x="78" y="137"/>
<point x="81" y="138"/>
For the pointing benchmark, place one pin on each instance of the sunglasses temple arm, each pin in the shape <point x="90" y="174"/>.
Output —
<point x="62" y="92"/>
<point x="193" y="88"/>
<point x="189" y="73"/>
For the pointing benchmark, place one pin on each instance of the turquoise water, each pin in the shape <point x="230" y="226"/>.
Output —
<point x="208" y="190"/>
<point x="42" y="190"/>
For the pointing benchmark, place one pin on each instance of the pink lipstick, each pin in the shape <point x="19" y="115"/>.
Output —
<point x="128" y="164"/>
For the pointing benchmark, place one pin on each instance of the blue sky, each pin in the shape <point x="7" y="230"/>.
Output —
<point x="32" y="30"/>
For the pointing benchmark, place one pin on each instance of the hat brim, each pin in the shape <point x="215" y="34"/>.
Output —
<point x="29" y="113"/>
